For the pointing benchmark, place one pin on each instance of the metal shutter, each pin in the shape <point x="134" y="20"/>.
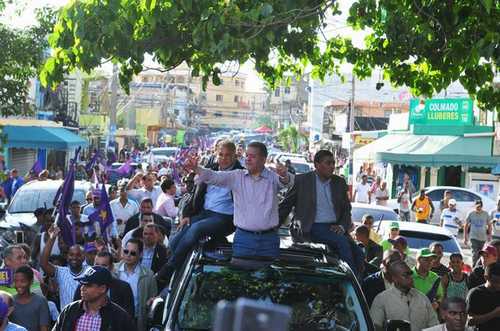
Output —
<point x="22" y="159"/>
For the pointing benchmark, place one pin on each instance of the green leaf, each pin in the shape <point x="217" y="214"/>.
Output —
<point x="487" y="5"/>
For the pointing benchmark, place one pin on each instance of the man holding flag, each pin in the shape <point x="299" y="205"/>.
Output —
<point x="104" y="217"/>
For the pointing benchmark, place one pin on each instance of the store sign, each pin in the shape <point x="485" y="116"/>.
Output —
<point x="446" y="112"/>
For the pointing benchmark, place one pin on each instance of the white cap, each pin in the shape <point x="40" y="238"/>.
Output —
<point x="452" y="202"/>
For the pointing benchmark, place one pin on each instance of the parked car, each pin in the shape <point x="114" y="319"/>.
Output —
<point x="421" y="236"/>
<point x="300" y="165"/>
<point x="321" y="290"/>
<point x="282" y="157"/>
<point x="465" y="200"/>
<point x="161" y="154"/>
<point x="379" y="213"/>
<point x="32" y="195"/>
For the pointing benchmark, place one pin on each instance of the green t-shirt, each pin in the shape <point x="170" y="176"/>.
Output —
<point x="35" y="288"/>
<point x="424" y="285"/>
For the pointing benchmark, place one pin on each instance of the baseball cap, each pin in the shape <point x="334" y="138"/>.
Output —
<point x="399" y="240"/>
<point x="488" y="249"/>
<point x="425" y="252"/>
<point x="394" y="225"/>
<point x="96" y="275"/>
<point x="452" y="202"/>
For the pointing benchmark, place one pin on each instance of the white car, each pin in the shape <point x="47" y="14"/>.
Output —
<point x="465" y="200"/>
<point x="161" y="154"/>
<point x="379" y="213"/>
<point x="38" y="194"/>
<point x="421" y="236"/>
<point x="282" y="157"/>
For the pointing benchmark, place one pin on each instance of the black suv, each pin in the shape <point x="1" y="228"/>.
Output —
<point x="321" y="290"/>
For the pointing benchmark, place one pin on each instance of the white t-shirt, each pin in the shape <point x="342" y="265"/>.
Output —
<point x="362" y="193"/>
<point x="450" y="219"/>
<point x="379" y="193"/>
<point x="404" y="202"/>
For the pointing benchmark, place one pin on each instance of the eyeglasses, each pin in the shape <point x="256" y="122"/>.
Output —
<point x="131" y="253"/>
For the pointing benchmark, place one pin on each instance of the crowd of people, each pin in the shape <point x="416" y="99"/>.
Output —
<point x="109" y="277"/>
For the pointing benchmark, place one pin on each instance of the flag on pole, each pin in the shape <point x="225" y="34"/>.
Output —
<point x="103" y="215"/>
<point x="64" y="201"/>
<point x="93" y="160"/>
<point x="36" y="168"/>
<point x="125" y="168"/>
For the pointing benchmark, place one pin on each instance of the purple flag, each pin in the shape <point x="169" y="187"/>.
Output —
<point x="103" y="215"/>
<point x="92" y="162"/>
<point x="65" y="196"/>
<point x="36" y="168"/>
<point x="125" y="168"/>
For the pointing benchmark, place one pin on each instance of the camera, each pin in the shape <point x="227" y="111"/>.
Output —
<point x="250" y="315"/>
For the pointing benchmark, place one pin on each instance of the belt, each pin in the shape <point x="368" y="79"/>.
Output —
<point x="259" y="232"/>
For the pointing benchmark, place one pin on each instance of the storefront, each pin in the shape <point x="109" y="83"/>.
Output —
<point x="443" y="146"/>
<point x="24" y="142"/>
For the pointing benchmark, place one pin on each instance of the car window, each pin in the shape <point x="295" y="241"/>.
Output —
<point x="26" y="201"/>
<point x="417" y="240"/>
<point x="436" y="195"/>
<point x="301" y="167"/>
<point x="358" y="213"/>
<point x="316" y="300"/>
<point x="464" y="196"/>
<point x="165" y="152"/>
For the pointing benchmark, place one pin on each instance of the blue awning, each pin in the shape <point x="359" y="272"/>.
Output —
<point x="41" y="137"/>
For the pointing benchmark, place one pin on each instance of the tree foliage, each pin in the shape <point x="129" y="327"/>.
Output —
<point x="23" y="53"/>
<point x="425" y="45"/>
<point x="290" y="139"/>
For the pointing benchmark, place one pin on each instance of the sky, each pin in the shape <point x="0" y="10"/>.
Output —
<point x="336" y="25"/>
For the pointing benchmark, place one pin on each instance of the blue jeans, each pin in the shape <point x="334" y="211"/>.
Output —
<point x="248" y="244"/>
<point x="206" y="223"/>
<point x="349" y="252"/>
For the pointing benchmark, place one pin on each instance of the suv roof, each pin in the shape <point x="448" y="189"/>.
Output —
<point x="51" y="184"/>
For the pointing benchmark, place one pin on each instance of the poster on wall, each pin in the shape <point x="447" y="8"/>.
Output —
<point x="487" y="188"/>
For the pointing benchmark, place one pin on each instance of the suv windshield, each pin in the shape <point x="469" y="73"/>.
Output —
<point x="26" y="201"/>
<point x="320" y="301"/>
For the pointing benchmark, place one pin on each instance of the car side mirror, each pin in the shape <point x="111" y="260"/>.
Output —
<point x="397" y="325"/>
<point x="155" y="315"/>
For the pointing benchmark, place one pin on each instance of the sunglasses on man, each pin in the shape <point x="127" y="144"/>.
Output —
<point x="128" y="252"/>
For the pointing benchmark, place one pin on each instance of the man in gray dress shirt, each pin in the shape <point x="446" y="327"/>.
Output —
<point x="255" y="192"/>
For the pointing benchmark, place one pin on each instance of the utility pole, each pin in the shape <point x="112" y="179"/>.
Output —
<point x="112" y="108"/>
<point x="351" y="128"/>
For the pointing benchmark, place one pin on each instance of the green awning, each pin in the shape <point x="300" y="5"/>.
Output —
<point x="57" y="138"/>
<point x="437" y="151"/>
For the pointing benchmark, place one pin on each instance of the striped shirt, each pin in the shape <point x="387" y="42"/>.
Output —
<point x="67" y="284"/>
